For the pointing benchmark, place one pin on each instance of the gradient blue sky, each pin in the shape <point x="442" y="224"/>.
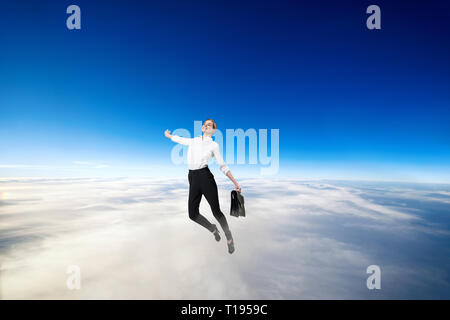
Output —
<point x="350" y="103"/>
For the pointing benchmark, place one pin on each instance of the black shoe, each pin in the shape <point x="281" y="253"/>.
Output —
<point x="230" y="246"/>
<point x="216" y="234"/>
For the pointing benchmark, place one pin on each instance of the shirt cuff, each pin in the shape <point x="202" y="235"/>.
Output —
<point x="225" y="170"/>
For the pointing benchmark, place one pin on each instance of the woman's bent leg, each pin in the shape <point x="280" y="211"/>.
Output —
<point x="209" y="189"/>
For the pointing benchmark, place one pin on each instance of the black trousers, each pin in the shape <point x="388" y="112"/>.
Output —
<point x="201" y="182"/>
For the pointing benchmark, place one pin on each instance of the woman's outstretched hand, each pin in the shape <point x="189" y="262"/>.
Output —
<point x="167" y="133"/>
<point x="238" y="188"/>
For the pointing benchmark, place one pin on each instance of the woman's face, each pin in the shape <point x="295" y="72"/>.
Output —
<point x="208" y="127"/>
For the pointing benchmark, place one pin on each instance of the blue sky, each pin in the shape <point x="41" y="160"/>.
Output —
<point x="350" y="103"/>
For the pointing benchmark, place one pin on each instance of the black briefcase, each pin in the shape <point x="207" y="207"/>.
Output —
<point x="237" y="204"/>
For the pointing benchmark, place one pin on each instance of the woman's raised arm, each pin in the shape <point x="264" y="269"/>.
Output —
<point x="178" y="139"/>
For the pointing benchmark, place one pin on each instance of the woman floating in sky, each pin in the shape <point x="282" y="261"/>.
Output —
<point x="201" y="180"/>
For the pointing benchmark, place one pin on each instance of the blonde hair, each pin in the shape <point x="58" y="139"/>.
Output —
<point x="214" y="123"/>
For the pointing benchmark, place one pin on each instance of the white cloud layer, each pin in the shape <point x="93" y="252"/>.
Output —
<point x="132" y="239"/>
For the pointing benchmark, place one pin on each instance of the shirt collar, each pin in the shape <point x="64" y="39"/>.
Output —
<point x="205" y="138"/>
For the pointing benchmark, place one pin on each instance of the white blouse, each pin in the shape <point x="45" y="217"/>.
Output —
<point x="200" y="151"/>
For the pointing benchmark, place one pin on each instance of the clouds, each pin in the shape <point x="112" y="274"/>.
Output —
<point x="301" y="239"/>
<point x="91" y="165"/>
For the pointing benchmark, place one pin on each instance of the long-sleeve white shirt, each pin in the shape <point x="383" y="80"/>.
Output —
<point x="200" y="151"/>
